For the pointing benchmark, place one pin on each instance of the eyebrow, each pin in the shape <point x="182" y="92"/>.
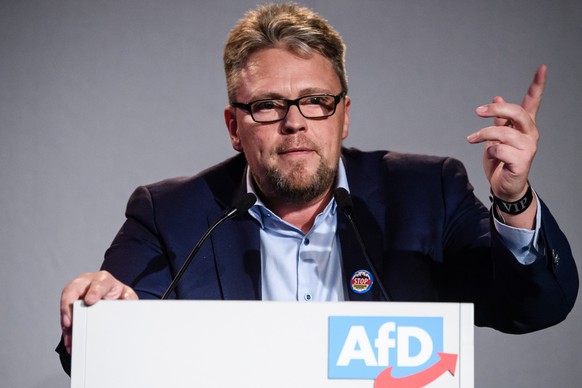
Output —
<point x="302" y="93"/>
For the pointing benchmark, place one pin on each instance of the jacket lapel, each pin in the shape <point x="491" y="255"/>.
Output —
<point x="238" y="259"/>
<point x="369" y="215"/>
<point x="235" y="243"/>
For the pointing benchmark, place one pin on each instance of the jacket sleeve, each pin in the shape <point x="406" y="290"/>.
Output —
<point x="138" y="256"/>
<point x="508" y="296"/>
<point x="541" y="294"/>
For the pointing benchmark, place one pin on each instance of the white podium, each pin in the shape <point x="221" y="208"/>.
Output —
<point x="272" y="344"/>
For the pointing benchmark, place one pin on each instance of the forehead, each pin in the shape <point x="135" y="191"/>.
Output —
<point x="278" y="72"/>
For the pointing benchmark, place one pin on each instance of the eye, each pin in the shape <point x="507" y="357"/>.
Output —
<point x="314" y="100"/>
<point x="318" y="100"/>
<point x="264" y="105"/>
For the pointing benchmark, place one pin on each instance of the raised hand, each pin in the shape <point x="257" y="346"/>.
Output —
<point x="511" y="143"/>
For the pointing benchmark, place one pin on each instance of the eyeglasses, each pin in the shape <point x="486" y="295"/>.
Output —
<point x="316" y="106"/>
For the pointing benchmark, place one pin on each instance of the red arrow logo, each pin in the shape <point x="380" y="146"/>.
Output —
<point x="447" y="362"/>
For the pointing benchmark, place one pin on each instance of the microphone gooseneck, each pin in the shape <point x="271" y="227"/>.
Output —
<point x="243" y="204"/>
<point x="344" y="202"/>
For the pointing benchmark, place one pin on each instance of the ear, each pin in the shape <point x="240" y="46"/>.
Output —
<point x="232" y="126"/>
<point x="346" y="128"/>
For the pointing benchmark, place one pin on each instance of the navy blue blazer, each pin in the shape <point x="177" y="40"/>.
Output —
<point x="429" y="237"/>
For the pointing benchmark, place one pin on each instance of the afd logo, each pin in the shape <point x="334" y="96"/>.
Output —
<point x="363" y="347"/>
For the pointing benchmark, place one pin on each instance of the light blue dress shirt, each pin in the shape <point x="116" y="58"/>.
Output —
<point x="298" y="266"/>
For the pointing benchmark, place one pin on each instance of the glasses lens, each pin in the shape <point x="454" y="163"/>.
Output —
<point x="269" y="110"/>
<point x="317" y="106"/>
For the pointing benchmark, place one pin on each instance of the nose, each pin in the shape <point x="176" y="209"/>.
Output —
<point x="294" y="121"/>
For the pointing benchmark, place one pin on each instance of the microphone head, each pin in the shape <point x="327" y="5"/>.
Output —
<point x="245" y="202"/>
<point x="343" y="200"/>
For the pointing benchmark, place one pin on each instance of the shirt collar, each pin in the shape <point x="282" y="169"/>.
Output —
<point x="259" y="208"/>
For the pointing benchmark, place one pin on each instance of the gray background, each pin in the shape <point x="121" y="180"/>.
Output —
<point x="97" y="97"/>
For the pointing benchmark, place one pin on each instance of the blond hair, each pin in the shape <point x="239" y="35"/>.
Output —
<point x="296" y="28"/>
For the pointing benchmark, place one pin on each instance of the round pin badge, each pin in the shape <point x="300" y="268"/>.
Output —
<point x="361" y="281"/>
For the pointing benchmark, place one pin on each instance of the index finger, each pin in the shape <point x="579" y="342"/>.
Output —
<point x="509" y="115"/>
<point x="533" y="97"/>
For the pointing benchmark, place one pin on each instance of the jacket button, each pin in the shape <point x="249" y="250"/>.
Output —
<point x="555" y="257"/>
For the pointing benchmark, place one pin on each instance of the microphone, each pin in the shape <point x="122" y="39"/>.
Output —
<point x="243" y="204"/>
<point x="344" y="202"/>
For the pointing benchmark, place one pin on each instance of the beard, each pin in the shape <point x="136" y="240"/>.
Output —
<point x="298" y="186"/>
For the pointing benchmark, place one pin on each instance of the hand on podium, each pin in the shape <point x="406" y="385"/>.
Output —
<point x="91" y="288"/>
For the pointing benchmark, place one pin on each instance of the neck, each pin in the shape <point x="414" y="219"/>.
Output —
<point x="300" y="215"/>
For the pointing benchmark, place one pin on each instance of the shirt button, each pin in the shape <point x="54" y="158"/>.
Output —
<point x="307" y="297"/>
<point x="306" y="241"/>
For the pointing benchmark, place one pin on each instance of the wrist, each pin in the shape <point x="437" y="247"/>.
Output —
<point x="514" y="207"/>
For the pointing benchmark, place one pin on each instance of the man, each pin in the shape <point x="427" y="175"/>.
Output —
<point x="427" y="235"/>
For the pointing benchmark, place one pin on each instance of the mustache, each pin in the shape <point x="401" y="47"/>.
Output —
<point x="296" y="143"/>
